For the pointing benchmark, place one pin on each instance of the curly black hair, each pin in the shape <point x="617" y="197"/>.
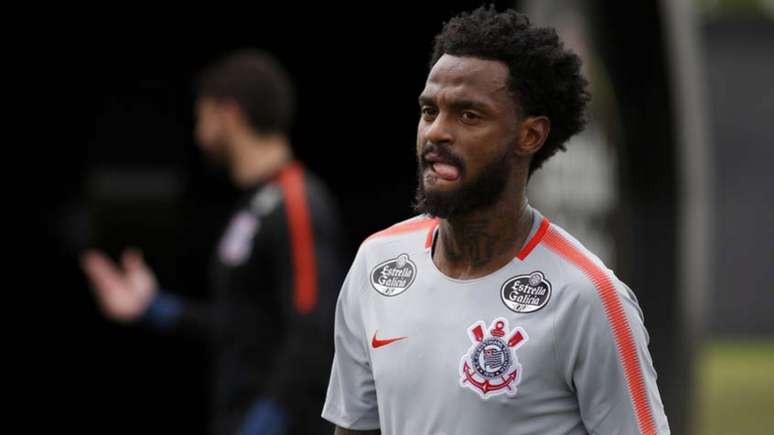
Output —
<point x="544" y="76"/>
<point x="258" y="83"/>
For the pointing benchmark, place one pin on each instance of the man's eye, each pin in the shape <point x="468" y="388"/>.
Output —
<point x="470" y="116"/>
<point x="427" y="111"/>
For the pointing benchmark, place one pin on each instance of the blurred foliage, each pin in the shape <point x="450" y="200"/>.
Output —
<point x="736" y="388"/>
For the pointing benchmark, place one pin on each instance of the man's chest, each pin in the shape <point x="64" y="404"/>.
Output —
<point x="461" y="343"/>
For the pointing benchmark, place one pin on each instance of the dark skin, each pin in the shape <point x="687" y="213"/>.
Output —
<point x="466" y="106"/>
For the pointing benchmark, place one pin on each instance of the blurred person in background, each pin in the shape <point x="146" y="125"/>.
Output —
<point x="275" y="273"/>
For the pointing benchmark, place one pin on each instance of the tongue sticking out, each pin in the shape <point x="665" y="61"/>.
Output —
<point x="445" y="171"/>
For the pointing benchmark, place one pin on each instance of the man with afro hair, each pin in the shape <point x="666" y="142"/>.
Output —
<point x="478" y="315"/>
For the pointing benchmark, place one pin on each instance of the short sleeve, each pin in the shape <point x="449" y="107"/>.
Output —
<point x="604" y="344"/>
<point x="351" y="398"/>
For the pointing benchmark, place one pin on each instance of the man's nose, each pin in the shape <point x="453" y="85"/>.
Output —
<point x="440" y="130"/>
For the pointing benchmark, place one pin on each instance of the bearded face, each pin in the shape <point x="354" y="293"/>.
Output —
<point x="471" y="191"/>
<point x="466" y="137"/>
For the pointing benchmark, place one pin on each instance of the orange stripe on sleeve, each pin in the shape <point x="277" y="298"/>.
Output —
<point x="301" y="238"/>
<point x="624" y="340"/>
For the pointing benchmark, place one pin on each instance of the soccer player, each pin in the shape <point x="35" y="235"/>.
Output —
<point x="478" y="315"/>
<point x="275" y="273"/>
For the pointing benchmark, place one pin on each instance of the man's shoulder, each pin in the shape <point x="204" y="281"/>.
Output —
<point x="303" y="195"/>
<point x="415" y="230"/>
<point x="584" y="274"/>
<point x="296" y="179"/>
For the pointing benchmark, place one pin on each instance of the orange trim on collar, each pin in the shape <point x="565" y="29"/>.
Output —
<point x="544" y="224"/>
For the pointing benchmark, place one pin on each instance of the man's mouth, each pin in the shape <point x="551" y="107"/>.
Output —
<point x="444" y="169"/>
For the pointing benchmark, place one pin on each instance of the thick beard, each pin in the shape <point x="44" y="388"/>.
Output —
<point x="481" y="192"/>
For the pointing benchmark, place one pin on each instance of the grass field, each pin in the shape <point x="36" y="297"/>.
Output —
<point x="736" y="388"/>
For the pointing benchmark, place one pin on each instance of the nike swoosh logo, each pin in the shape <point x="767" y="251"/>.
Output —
<point x="376" y="343"/>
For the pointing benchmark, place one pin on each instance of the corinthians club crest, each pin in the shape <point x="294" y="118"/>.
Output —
<point x="490" y="367"/>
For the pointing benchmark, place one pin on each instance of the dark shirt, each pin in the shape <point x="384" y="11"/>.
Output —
<point x="275" y="276"/>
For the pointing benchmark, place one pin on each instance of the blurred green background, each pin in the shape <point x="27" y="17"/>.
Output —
<point x="735" y="394"/>
<point x="735" y="390"/>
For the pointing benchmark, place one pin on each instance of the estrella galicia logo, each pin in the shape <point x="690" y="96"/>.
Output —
<point x="394" y="276"/>
<point x="526" y="293"/>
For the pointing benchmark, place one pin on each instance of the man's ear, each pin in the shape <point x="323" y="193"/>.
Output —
<point x="533" y="133"/>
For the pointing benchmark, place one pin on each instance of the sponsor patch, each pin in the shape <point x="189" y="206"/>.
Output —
<point x="394" y="276"/>
<point x="490" y="367"/>
<point x="526" y="293"/>
<point x="237" y="241"/>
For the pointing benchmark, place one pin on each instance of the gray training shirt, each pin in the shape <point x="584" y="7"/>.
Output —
<point x="551" y="343"/>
